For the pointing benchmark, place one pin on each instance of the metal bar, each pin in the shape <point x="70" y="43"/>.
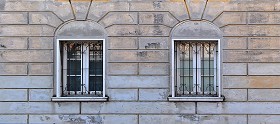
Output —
<point x="183" y="68"/>
<point x="209" y="62"/>
<point x="68" y="70"/>
<point x="196" y="69"/>
<point x="82" y="68"/>
<point x="190" y="68"/>
<point x="202" y="84"/>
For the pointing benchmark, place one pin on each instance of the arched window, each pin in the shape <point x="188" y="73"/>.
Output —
<point x="196" y="53"/>
<point x="80" y="62"/>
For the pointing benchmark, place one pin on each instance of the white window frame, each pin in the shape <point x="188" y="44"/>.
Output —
<point x="217" y="77"/>
<point x="58" y="69"/>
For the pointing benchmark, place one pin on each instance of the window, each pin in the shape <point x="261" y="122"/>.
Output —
<point x="195" y="70"/>
<point x="81" y="70"/>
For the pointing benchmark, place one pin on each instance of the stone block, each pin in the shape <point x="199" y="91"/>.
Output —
<point x="13" y="69"/>
<point x="155" y="18"/>
<point x="238" y="108"/>
<point x="235" y="94"/>
<point x="227" y="18"/>
<point x="40" y="43"/>
<point x="80" y="9"/>
<point x="154" y="68"/>
<point x="153" y="94"/>
<point x="123" y="43"/>
<point x="104" y="119"/>
<point x="263" y="95"/>
<point x="234" y="69"/>
<point x="180" y="12"/>
<point x="138" y="81"/>
<point x="40" y="94"/>
<point x="138" y="56"/>
<point x="263" y="17"/>
<point x="192" y="119"/>
<point x="26" y="81"/>
<point x="138" y="107"/>
<point x="234" y="43"/>
<point x="138" y="30"/>
<point x="123" y="68"/>
<point x="13" y="43"/>
<point x="13" y="118"/>
<point x="26" y="30"/>
<point x="62" y="9"/>
<point x="153" y="43"/>
<point x="196" y="8"/>
<point x="13" y="18"/>
<point x="47" y="18"/>
<point x="251" y="30"/>
<point x="251" y="56"/>
<point x="26" y="56"/>
<point x="115" y="18"/>
<point x="264" y="43"/>
<point x="154" y="30"/>
<point x="39" y="107"/>
<point x="123" y="94"/>
<point x="100" y="9"/>
<point x="264" y="69"/>
<point x="13" y="95"/>
<point x="251" y="81"/>
<point x="40" y="69"/>
<point x="13" y="5"/>
<point x="263" y="119"/>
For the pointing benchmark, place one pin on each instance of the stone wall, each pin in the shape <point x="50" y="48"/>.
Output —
<point x="138" y="71"/>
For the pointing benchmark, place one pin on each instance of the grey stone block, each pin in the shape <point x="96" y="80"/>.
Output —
<point x="40" y="94"/>
<point x="138" y="81"/>
<point x="26" y="81"/>
<point x="13" y="95"/>
<point x="123" y="68"/>
<point x="13" y="18"/>
<point x="154" y="43"/>
<point x="26" y="30"/>
<point x="47" y="18"/>
<point x="40" y="69"/>
<point x="123" y="94"/>
<point x="234" y="69"/>
<point x="153" y="94"/>
<point x="26" y="56"/>
<point x="41" y="42"/>
<point x="263" y="119"/>
<point x="123" y="43"/>
<point x="234" y="43"/>
<point x="264" y="68"/>
<point x="263" y="95"/>
<point x="13" y="118"/>
<point x="115" y="18"/>
<point x="13" y="43"/>
<point x="235" y="94"/>
<point x="13" y="69"/>
<point x="156" y="18"/>
<point x="80" y="8"/>
<point x="154" y="68"/>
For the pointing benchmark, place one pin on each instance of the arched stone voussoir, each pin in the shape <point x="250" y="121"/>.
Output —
<point x="81" y="29"/>
<point x="196" y="30"/>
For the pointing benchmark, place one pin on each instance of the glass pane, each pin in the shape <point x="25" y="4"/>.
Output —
<point x="186" y="84"/>
<point x="74" y="83"/>
<point x="208" y="83"/>
<point x="95" y="83"/>
<point x="74" y="67"/>
<point x="96" y="67"/>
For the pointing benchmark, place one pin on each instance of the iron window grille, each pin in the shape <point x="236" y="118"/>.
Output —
<point x="82" y="68"/>
<point x="195" y="68"/>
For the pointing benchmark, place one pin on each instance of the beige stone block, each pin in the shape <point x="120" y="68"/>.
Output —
<point x="115" y="18"/>
<point x="40" y="69"/>
<point x="100" y="9"/>
<point x="235" y="94"/>
<point x="66" y="118"/>
<point x="26" y="30"/>
<point x="263" y="18"/>
<point x="138" y="107"/>
<point x="26" y="56"/>
<point x="62" y="9"/>
<point x="234" y="43"/>
<point x="47" y="18"/>
<point x="138" y="30"/>
<point x="13" y="95"/>
<point x="39" y="107"/>
<point x="13" y="69"/>
<point x="153" y="68"/>
<point x="238" y="107"/>
<point x="192" y="119"/>
<point x="13" y="18"/>
<point x="26" y="81"/>
<point x="123" y="43"/>
<point x="80" y="9"/>
<point x="251" y="30"/>
<point x="196" y="8"/>
<point x="264" y="69"/>
<point x="138" y="82"/>
<point x="251" y="56"/>
<point x="153" y="94"/>
<point x="263" y="119"/>
<point x="13" y="43"/>
<point x="123" y="94"/>
<point x="154" y="43"/>
<point x="263" y="95"/>
<point x="13" y="119"/>
<point x="41" y="42"/>
<point x="123" y="68"/>
<point x="234" y="69"/>
<point x="138" y="56"/>
<point x="231" y="18"/>
<point x="163" y="18"/>
<point x="40" y="94"/>
<point x="264" y="43"/>
<point x="154" y="30"/>
<point x="251" y="81"/>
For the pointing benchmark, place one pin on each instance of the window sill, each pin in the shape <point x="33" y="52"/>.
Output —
<point x="79" y="99"/>
<point x="196" y="99"/>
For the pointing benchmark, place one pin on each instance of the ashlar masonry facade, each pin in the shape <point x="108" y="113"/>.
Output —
<point x="140" y="61"/>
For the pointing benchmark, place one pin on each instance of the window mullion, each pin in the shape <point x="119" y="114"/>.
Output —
<point x="198" y="74"/>
<point x="85" y="68"/>
<point x="194" y="67"/>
